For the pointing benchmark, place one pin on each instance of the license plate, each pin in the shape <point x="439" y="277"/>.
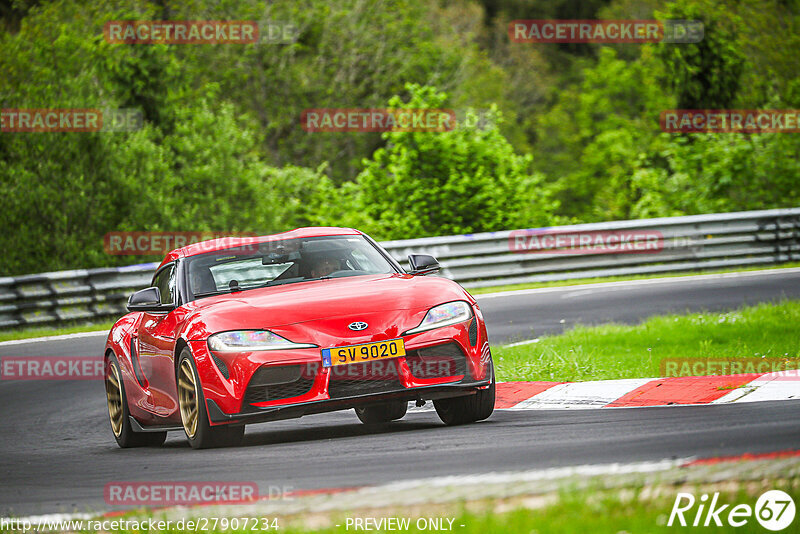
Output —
<point x="367" y="352"/>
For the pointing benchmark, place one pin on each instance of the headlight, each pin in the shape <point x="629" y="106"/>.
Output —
<point x="444" y="315"/>
<point x="250" y="340"/>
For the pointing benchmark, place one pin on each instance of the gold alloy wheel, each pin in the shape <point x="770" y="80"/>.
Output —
<point x="114" y="398"/>
<point x="187" y="397"/>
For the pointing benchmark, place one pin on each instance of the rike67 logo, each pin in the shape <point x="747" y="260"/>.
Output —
<point x="774" y="510"/>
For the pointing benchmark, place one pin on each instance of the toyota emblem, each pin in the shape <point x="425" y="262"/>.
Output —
<point x="357" y="326"/>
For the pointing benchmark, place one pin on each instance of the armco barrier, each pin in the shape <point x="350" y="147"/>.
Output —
<point x="488" y="259"/>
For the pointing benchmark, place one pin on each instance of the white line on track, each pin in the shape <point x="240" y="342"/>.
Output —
<point x="76" y="335"/>
<point x="538" y="474"/>
<point x="526" y="342"/>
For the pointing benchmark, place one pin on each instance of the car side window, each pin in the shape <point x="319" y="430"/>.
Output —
<point x="165" y="282"/>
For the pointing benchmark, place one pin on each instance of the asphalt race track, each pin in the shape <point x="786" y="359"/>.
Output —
<point x="57" y="451"/>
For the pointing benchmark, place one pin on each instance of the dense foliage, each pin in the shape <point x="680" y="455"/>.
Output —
<point x="573" y="134"/>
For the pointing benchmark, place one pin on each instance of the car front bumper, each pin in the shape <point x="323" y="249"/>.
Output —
<point x="299" y="409"/>
<point x="417" y="376"/>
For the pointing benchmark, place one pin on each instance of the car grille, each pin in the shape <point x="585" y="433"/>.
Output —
<point x="473" y="332"/>
<point x="437" y="362"/>
<point x="221" y="366"/>
<point x="364" y="379"/>
<point x="278" y="382"/>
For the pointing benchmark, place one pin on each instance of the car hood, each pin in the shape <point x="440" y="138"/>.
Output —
<point x="360" y="296"/>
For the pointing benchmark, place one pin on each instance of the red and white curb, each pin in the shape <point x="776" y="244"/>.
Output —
<point x="640" y="392"/>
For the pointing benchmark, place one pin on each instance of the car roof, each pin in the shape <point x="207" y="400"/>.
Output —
<point x="230" y="242"/>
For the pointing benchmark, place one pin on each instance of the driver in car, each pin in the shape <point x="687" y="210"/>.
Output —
<point x="324" y="267"/>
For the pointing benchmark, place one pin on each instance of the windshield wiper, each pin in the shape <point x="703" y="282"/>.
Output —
<point x="207" y="294"/>
<point x="317" y="278"/>
<point x="234" y="289"/>
<point x="271" y="283"/>
<point x="291" y="281"/>
<point x="210" y="293"/>
<point x="281" y="282"/>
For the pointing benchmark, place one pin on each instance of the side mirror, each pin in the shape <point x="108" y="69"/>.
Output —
<point x="147" y="300"/>
<point x="422" y="264"/>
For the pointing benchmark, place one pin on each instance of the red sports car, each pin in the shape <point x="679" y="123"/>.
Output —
<point x="244" y="330"/>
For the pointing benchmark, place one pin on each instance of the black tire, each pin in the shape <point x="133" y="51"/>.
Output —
<point x="205" y="436"/>
<point x="468" y="409"/>
<point x="122" y="429"/>
<point x="382" y="413"/>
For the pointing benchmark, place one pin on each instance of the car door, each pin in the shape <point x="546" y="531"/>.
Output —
<point x="155" y="348"/>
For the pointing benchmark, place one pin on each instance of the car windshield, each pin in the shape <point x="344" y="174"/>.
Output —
<point x="283" y="262"/>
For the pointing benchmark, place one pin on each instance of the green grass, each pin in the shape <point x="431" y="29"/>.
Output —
<point x="619" y="351"/>
<point x="599" y="513"/>
<point x="579" y="281"/>
<point x="637" y="510"/>
<point x="27" y="333"/>
<point x="610" y="513"/>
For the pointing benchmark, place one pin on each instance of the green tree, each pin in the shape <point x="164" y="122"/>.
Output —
<point x="438" y="183"/>
<point x="593" y="137"/>
<point x="707" y="74"/>
<point x="349" y="54"/>
<point x="195" y="165"/>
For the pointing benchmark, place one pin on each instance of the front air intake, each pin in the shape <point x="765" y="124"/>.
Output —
<point x="473" y="332"/>
<point x="220" y="363"/>
<point x="276" y="382"/>
<point x="437" y="362"/>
